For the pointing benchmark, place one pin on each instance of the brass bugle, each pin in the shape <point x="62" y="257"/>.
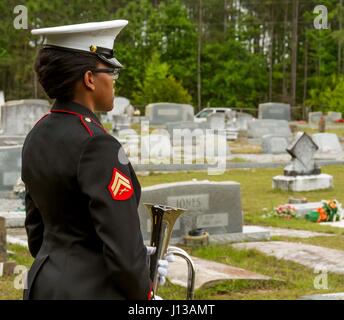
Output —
<point x="163" y="219"/>
<point x="190" y="288"/>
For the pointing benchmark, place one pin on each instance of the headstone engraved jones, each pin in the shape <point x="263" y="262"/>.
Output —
<point x="214" y="206"/>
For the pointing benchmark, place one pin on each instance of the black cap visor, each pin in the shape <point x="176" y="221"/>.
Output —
<point x="113" y="62"/>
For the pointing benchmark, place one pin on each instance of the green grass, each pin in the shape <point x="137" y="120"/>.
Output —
<point x="242" y="147"/>
<point x="239" y="160"/>
<point x="22" y="257"/>
<point x="334" y="242"/>
<point x="258" y="197"/>
<point x="7" y="290"/>
<point x="257" y="194"/>
<point x="290" y="280"/>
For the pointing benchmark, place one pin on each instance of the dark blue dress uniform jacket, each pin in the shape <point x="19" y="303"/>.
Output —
<point x="86" y="240"/>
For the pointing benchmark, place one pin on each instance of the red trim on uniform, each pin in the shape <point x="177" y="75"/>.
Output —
<point x="66" y="111"/>
<point x="78" y="115"/>
<point x="42" y="118"/>
<point x="87" y="128"/>
<point x="150" y="292"/>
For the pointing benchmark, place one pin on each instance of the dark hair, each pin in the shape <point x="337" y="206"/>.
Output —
<point x="58" y="71"/>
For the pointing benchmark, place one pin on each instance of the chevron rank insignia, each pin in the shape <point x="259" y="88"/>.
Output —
<point x="120" y="186"/>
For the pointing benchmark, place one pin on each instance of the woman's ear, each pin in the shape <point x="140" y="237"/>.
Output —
<point x="89" y="81"/>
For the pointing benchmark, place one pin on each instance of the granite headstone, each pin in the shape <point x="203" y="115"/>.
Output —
<point x="2" y="98"/>
<point x="302" y="151"/>
<point x="156" y="147"/>
<point x="191" y="125"/>
<point x="303" y="173"/>
<point x="334" y="116"/>
<point x="273" y="110"/>
<point x="241" y="121"/>
<point x="273" y="144"/>
<point x="121" y="114"/>
<point x="10" y="166"/>
<point x="214" y="206"/>
<point x="19" y="116"/>
<point x="327" y="142"/>
<point x="259" y="128"/>
<point x="217" y="121"/>
<point x="314" y="117"/>
<point x="162" y="113"/>
<point x="2" y="102"/>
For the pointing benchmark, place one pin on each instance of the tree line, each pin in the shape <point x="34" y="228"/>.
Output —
<point x="217" y="53"/>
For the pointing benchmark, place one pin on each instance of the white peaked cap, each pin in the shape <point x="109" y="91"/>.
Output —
<point x="94" y="37"/>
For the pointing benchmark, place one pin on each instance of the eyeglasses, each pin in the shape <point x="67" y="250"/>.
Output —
<point x="114" y="72"/>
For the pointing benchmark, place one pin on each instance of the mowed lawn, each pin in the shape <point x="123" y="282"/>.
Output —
<point x="290" y="280"/>
<point x="257" y="196"/>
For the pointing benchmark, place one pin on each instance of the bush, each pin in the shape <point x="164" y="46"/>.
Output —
<point x="330" y="97"/>
<point x="160" y="86"/>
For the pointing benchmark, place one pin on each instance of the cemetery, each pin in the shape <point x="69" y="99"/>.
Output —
<point x="240" y="133"/>
<point x="262" y="210"/>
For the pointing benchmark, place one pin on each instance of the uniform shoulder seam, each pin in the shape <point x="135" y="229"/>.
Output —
<point x="80" y="116"/>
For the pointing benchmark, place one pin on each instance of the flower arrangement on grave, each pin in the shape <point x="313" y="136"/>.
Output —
<point x="331" y="210"/>
<point x="285" y="211"/>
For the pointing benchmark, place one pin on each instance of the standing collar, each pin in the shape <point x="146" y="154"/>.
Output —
<point x="75" y="107"/>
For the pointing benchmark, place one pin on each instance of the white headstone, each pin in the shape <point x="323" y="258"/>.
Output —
<point x="162" y="113"/>
<point x="19" y="116"/>
<point x="303" y="183"/>
<point x="334" y="116"/>
<point x="302" y="151"/>
<point x="241" y="121"/>
<point x="2" y="98"/>
<point x="327" y="142"/>
<point x="156" y="148"/>
<point x="273" y="110"/>
<point x="314" y="117"/>
<point x="217" y="121"/>
<point x="2" y="102"/>
<point x="191" y="125"/>
<point x="121" y="115"/>
<point x="274" y="144"/>
<point x="10" y="166"/>
<point x="259" y="128"/>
